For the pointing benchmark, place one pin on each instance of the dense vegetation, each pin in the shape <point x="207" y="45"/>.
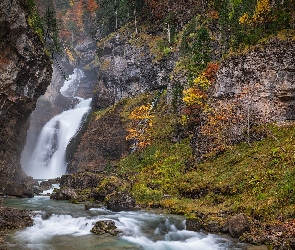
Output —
<point x="46" y="27"/>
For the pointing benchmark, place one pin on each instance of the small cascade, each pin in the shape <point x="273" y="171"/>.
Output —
<point x="48" y="160"/>
<point x="61" y="228"/>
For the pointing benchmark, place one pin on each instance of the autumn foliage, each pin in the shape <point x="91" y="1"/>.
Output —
<point x="231" y="120"/>
<point x="195" y="99"/>
<point x="196" y="96"/>
<point x="210" y="71"/>
<point x="140" y="127"/>
<point x="222" y="122"/>
<point x="78" y="13"/>
<point x="158" y="7"/>
<point x="91" y="6"/>
<point x="260" y="15"/>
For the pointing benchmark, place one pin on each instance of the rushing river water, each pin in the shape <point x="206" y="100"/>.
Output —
<point x="60" y="225"/>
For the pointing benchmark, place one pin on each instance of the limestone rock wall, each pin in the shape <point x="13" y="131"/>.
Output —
<point x="101" y="145"/>
<point x="127" y="69"/>
<point x="265" y="75"/>
<point x="25" y="72"/>
<point x="258" y="85"/>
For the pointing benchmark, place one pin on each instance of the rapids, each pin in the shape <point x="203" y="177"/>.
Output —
<point x="62" y="225"/>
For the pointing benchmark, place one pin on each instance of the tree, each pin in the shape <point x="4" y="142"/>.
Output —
<point x="229" y="121"/>
<point x="50" y="27"/>
<point x="92" y="6"/>
<point x="78" y="14"/>
<point x="260" y="15"/>
<point x="140" y="126"/>
<point x="195" y="97"/>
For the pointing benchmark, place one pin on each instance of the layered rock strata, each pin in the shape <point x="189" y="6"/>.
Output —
<point x="252" y="88"/>
<point x="128" y="68"/>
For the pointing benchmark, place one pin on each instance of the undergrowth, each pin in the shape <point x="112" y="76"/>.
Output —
<point x="256" y="178"/>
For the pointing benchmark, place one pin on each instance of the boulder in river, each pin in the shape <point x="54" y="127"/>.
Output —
<point x="105" y="226"/>
<point x="64" y="194"/>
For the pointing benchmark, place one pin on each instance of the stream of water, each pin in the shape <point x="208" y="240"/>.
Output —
<point x="62" y="225"/>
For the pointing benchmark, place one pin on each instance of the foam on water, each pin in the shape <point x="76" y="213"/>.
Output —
<point x="55" y="225"/>
<point x="145" y="230"/>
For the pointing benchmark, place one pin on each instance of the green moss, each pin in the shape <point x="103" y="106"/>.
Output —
<point x="151" y="171"/>
<point x="34" y="20"/>
<point x="110" y="184"/>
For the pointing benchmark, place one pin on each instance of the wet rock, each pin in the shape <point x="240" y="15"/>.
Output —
<point x="213" y="225"/>
<point x="86" y="51"/>
<point x="12" y="218"/>
<point x="237" y="225"/>
<point x="120" y="201"/>
<point x="21" y="189"/>
<point x="108" y="186"/>
<point x="99" y="152"/>
<point x="64" y="194"/>
<point x="194" y="224"/>
<point x="81" y="180"/>
<point x="105" y="226"/>
<point x="44" y="185"/>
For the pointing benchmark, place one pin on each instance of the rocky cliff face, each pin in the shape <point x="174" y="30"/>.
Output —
<point x="258" y="83"/>
<point x="258" y="86"/>
<point x="254" y="87"/>
<point x="25" y="72"/>
<point x="128" y="67"/>
<point x="125" y="69"/>
<point x="265" y="76"/>
<point x="102" y="144"/>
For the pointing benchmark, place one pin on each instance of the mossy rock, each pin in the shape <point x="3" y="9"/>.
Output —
<point x="105" y="226"/>
<point x="108" y="186"/>
<point x="120" y="201"/>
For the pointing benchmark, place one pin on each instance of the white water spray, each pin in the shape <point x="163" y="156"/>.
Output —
<point x="139" y="230"/>
<point x="48" y="159"/>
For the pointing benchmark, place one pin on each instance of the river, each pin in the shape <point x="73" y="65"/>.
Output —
<point x="63" y="225"/>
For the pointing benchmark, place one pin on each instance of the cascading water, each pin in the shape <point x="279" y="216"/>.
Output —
<point x="63" y="225"/>
<point x="48" y="159"/>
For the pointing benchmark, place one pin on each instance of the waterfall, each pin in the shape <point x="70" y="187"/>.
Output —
<point x="48" y="159"/>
